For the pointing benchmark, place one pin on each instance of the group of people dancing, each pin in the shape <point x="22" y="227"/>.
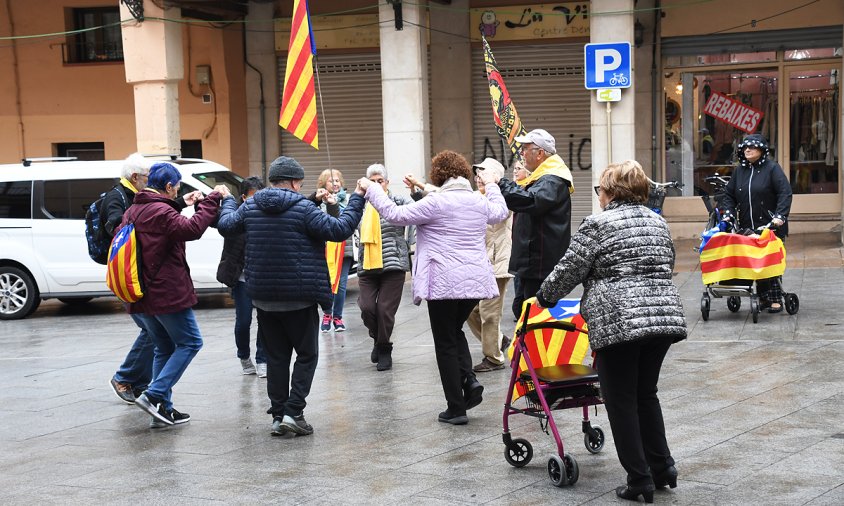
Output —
<point x="470" y="240"/>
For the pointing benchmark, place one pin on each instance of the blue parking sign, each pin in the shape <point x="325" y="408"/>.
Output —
<point x="607" y="65"/>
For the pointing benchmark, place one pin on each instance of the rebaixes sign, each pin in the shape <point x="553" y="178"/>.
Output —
<point x="737" y="114"/>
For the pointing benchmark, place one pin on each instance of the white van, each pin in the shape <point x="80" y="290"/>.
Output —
<point x="43" y="250"/>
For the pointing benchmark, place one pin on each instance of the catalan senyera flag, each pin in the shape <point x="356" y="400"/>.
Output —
<point x="552" y="346"/>
<point x="734" y="256"/>
<point x="507" y="121"/>
<point x="334" y="252"/>
<point x="298" y="101"/>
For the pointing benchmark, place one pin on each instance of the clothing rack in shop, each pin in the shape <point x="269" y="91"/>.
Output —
<point x="813" y="90"/>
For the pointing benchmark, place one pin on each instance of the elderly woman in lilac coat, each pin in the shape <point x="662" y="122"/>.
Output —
<point x="452" y="271"/>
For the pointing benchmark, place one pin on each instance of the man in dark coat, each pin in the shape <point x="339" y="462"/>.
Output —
<point x="542" y="206"/>
<point x="286" y="276"/>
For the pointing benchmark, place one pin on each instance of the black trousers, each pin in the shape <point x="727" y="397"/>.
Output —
<point x="283" y="332"/>
<point x="453" y="358"/>
<point x="518" y="297"/>
<point x="379" y="299"/>
<point x="530" y="287"/>
<point x="629" y="373"/>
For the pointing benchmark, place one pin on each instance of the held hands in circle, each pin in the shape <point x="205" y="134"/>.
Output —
<point x="412" y="182"/>
<point x="487" y="177"/>
<point x="195" y="196"/>
<point x="326" y="196"/>
<point x="363" y="184"/>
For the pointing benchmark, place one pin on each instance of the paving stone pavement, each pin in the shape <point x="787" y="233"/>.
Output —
<point x="754" y="413"/>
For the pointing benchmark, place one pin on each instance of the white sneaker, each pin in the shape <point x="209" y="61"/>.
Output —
<point x="247" y="365"/>
<point x="262" y="370"/>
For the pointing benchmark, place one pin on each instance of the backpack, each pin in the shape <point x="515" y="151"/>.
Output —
<point x="95" y="234"/>
<point x="123" y="275"/>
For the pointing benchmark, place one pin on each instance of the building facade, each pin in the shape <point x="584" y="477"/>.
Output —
<point x="400" y="81"/>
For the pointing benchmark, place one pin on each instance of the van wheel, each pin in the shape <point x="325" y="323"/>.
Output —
<point x="19" y="296"/>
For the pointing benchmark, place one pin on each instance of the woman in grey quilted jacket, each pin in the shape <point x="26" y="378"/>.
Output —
<point x="624" y="257"/>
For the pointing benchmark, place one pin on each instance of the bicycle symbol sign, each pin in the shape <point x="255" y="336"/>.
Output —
<point x="607" y="65"/>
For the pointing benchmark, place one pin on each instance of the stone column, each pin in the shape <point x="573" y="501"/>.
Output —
<point x="451" y="80"/>
<point x="262" y="119"/>
<point x="404" y="93"/>
<point x="152" y="52"/>
<point x="612" y="28"/>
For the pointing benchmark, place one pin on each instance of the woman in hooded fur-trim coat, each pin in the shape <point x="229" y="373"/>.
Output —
<point x="759" y="193"/>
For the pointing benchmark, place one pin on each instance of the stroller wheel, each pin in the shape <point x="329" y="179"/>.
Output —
<point x="563" y="471"/>
<point x="792" y="303"/>
<point x="704" y="307"/>
<point x="733" y="303"/>
<point x="518" y="453"/>
<point x="754" y="308"/>
<point x="594" y="444"/>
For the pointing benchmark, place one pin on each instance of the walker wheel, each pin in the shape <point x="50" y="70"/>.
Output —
<point x="705" y="302"/>
<point x="733" y="303"/>
<point x="792" y="303"/>
<point x="594" y="444"/>
<point x="563" y="471"/>
<point x="754" y="308"/>
<point x="518" y="453"/>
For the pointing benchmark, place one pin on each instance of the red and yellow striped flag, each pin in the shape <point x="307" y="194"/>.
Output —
<point x="507" y="122"/>
<point x="298" y="102"/>
<point x="334" y="252"/>
<point x="733" y="256"/>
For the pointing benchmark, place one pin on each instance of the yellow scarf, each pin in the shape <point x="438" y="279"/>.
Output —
<point x="553" y="165"/>
<point x="128" y="184"/>
<point x="370" y="236"/>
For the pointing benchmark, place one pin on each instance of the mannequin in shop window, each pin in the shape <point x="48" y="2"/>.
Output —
<point x="759" y="193"/>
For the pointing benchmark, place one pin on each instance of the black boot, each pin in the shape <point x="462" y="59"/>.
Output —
<point x="385" y="358"/>
<point x="374" y="355"/>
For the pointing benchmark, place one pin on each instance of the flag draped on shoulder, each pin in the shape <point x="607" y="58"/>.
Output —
<point x="507" y="121"/>
<point x="551" y="346"/>
<point x="734" y="256"/>
<point x="298" y="101"/>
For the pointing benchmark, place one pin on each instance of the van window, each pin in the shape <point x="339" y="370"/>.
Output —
<point x="69" y="199"/>
<point x="15" y="199"/>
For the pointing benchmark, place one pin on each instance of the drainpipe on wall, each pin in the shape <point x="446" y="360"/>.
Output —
<point x="261" y="108"/>
<point x="655" y="126"/>
<point x="16" y="72"/>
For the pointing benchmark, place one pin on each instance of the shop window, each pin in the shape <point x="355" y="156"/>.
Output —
<point x="88" y="151"/>
<point x="15" y="199"/>
<point x="69" y="199"/>
<point x="814" y="130"/>
<point x="707" y="116"/>
<point x="101" y="41"/>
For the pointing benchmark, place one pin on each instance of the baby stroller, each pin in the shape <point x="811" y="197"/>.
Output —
<point x="730" y="263"/>
<point x="559" y="347"/>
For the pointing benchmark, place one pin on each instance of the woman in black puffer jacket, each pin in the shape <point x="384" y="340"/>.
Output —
<point x="759" y="193"/>
<point x="624" y="257"/>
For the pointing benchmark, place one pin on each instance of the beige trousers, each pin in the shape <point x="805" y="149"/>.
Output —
<point x="485" y="323"/>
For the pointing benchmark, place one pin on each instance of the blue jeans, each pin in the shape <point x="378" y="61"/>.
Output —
<point x="136" y="368"/>
<point x="243" y="323"/>
<point x="177" y="341"/>
<point x="335" y="303"/>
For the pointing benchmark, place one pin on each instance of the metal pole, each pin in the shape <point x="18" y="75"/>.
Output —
<point x="609" y="133"/>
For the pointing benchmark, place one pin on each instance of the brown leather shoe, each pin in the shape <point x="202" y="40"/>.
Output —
<point x="486" y="365"/>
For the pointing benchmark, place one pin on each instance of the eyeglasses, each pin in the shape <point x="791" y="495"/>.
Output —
<point x="532" y="148"/>
<point x="597" y="190"/>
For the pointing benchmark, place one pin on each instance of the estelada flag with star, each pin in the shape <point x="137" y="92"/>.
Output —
<point x="507" y="121"/>
<point x="551" y="346"/>
<point x="298" y="101"/>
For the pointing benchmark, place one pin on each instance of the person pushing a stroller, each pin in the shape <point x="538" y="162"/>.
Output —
<point x="759" y="193"/>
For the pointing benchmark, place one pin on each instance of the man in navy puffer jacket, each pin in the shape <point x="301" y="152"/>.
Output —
<point x="286" y="276"/>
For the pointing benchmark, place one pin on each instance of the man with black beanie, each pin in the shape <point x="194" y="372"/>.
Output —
<point x="286" y="276"/>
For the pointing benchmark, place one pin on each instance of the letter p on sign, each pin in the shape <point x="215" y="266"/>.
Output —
<point x="606" y="60"/>
<point x="607" y="65"/>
